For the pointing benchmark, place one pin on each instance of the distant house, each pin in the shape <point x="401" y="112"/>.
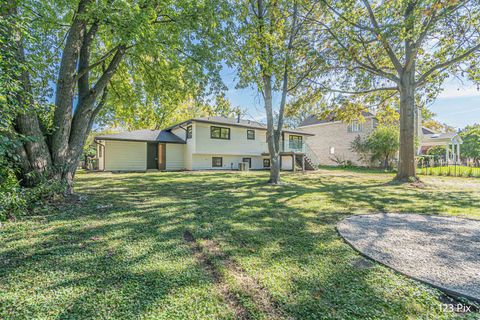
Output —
<point x="450" y="140"/>
<point x="200" y="144"/>
<point x="333" y="138"/>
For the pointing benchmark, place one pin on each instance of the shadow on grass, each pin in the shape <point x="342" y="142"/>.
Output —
<point x="120" y="253"/>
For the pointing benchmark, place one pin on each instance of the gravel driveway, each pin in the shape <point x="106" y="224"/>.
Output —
<point x="442" y="251"/>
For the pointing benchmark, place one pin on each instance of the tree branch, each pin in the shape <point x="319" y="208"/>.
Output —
<point x="83" y="60"/>
<point x="84" y="70"/>
<point x="355" y="92"/>
<point x="66" y="82"/>
<point x="291" y="39"/>
<point x="337" y="13"/>
<point x="391" y="54"/>
<point x="446" y="64"/>
<point x="370" y="68"/>
<point x="99" y="107"/>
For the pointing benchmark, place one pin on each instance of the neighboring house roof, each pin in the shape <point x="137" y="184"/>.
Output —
<point x="450" y="136"/>
<point x="233" y="122"/>
<point x="314" y="119"/>
<point x="425" y="130"/>
<point x="144" y="136"/>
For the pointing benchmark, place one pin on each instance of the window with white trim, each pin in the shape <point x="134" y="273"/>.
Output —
<point x="355" y="126"/>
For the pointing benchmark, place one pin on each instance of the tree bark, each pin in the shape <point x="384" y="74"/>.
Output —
<point x="406" y="165"/>
<point x="34" y="155"/>
<point x="407" y="86"/>
<point x="83" y="118"/>
<point x="65" y="90"/>
<point x="58" y="156"/>
<point x="272" y="137"/>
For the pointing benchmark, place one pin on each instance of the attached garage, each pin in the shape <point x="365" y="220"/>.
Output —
<point x="140" y="150"/>
<point x="125" y="155"/>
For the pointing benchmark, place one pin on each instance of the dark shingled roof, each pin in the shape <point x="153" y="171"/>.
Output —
<point x="143" y="135"/>
<point x="314" y="119"/>
<point x="236" y="123"/>
<point x="231" y="121"/>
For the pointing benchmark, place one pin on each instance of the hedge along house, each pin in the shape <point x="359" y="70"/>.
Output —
<point x="200" y="144"/>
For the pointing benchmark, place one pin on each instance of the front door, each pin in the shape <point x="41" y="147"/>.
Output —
<point x="249" y="160"/>
<point x="152" y="156"/>
<point x="162" y="153"/>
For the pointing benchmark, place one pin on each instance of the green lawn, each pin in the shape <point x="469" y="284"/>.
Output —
<point x="451" y="170"/>
<point x="260" y="252"/>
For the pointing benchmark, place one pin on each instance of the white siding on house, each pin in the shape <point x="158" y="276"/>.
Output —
<point x="197" y="152"/>
<point x="204" y="162"/>
<point x="175" y="156"/>
<point x="287" y="163"/>
<point x="237" y="145"/>
<point x="125" y="156"/>
<point x="189" y="149"/>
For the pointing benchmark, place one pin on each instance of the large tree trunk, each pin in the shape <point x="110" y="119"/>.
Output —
<point x="272" y="137"/>
<point x="406" y="165"/>
<point x="57" y="157"/>
<point x="66" y="84"/>
<point x="34" y="159"/>
<point x="407" y="86"/>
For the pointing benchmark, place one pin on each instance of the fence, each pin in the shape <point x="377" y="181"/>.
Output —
<point x="433" y="167"/>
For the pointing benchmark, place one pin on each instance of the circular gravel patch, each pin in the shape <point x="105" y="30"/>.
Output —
<point x="441" y="251"/>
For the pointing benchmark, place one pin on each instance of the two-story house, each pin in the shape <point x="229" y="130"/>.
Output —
<point x="199" y="144"/>
<point x="333" y="138"/>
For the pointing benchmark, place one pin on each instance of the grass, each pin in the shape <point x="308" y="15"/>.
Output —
<point x="260" y="252"/>
<point x="451" y="170"/>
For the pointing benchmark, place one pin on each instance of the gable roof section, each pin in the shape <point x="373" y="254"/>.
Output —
<point x="449" y="136"/>
<point x="143" y="136"/>
<point x="233" y="122"/>
<point x="314" y="119"/>
<point x="425" y="130"/>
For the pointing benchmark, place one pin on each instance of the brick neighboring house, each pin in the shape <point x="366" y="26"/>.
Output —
<point x="332" y="139"/>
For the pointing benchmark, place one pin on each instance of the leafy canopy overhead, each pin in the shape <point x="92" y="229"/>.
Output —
<point x="171" y="52"/>
<point x="372" y="43"/>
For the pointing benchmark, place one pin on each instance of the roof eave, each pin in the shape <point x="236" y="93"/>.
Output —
<point x="242" y="125"/>
<point x="136" y="140"/>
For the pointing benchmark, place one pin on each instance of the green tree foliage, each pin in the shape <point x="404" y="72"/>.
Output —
<point x="471" y="142"/>
<point x="399" y="51"/>
<point x="271" y="50"/>
<point x="103" y="57"/>
<point x="132" y="115"/>
<point x="380" y="146"/>
<point x="436" y="151"/>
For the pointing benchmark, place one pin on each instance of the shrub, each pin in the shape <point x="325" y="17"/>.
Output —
<point x="17" y="201"/>
<point x="13" y="202"/>
<point x="379" y="147"/>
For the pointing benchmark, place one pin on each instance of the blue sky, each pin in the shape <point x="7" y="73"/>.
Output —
<point x="458" y="105"/>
